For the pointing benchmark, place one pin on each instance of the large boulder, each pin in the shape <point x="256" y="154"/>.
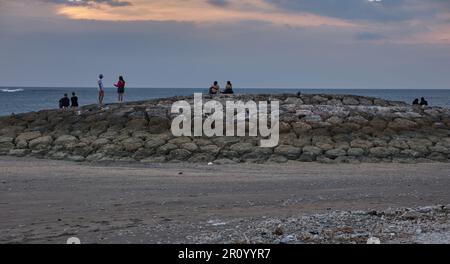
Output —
<point x="27" y="136"/>
<point x="402" y="124"/>
<point x="242" y="148"/>
<point x="44" y="142"/>
<point x="289" y="152"/>
<point x="65" y="139"/>
<point x="132" y="144"/>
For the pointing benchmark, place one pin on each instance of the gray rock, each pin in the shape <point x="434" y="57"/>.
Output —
<point x="100" y="142"/>
<point x="132" y="144"/>
<point x="358" y="120"/>
<point x="380" y="152"/>
<point x="411" y="153"/>
<point x="59" y="155"/>
<point x="242" y="148"/>
<point x="356" y="152"/>
<point x="289" y="152"/>
<point x="334" y="153"/>
<point x="350" y="101"/>
<point x="65" y="139"/>
<point x="301" y="127"/>
<point x="225" y="141"/>
<point x="224" y="161"/>
<point x="278" y="159"/>
<point x="180" y="154"/>
<point x="27" y="136"/>
<point x="154" y="143"/>
<point x="210" y="149"/>
<point x="19" y="152"/>
<point x="402" y="124"/>
<point x="180" y="140"/>
<point x="76" y="158"/>
<point x="95" y="157"/>
<point x="4" y="139"/>
<point x="420" y="145"/>
<point x="192" y="147"/>
<point x="41" y="143"/>
<point x="165" y="149"/>
<point x="312" y="150"/>
<point x="201" y="158"/>
<point x="363" y="144"/>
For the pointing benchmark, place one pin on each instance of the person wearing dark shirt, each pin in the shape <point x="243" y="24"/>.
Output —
<point x="64" y="102"/>
<point x="423" y="102"/>
<point x="228" y="88"/>
<point x="416" y="101"/>
<point x="74" y="102"/>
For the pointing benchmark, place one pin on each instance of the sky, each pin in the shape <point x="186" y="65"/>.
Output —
<point x="381" y="44"/>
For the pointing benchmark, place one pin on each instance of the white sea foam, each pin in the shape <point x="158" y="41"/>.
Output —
<point x="11" y="90"/>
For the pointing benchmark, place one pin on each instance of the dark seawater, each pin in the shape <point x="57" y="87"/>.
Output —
<point x="19" y="100"/>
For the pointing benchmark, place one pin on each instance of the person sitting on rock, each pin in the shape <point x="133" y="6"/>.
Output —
<point x="215" y="88"/>
<point x="74" y="102"/>
<point x="64" y="102"/>
<point x="416" y="101"/>
<point x="228" y="88"/>
<point x="423" y="102"/>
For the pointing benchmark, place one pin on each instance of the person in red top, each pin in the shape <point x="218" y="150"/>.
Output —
<point x="120" y="88"/>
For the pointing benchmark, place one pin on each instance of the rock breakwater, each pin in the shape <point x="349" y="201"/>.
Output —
<point x="322" y="128"/>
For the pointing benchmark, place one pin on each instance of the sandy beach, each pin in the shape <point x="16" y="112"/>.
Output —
<point x="46" y="201"/>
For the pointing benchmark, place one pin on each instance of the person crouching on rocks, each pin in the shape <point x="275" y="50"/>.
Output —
<point x="120" y="88"/>
<point x="64" y="102"/>
<point x="416" y="101"/>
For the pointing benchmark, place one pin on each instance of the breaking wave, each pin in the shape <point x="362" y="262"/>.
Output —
<point x="11" y="90"/>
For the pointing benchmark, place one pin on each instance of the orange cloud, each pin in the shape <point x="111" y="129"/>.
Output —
<point x="198" y="11"/>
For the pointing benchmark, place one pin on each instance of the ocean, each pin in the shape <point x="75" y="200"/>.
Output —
<point x="19" y="100"/>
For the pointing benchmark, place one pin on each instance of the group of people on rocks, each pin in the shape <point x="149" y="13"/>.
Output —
<point x="66" y="103"/>
<point x="422" y="102"/>
<point x="215" y="88"/>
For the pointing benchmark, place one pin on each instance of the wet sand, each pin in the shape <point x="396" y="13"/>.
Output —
<point x="45" y="201"/>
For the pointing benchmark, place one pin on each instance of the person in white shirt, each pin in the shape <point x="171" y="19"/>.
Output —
<point x="101" y="91"/>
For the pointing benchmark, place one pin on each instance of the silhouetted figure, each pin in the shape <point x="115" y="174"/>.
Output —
<point x="215" y="88"/>
<point x="120" y="88"/>
<point x="74" y="101"/>
<point x="423" y="102"/>
<point x="101" y="91"/>
<point x="299" y="94"/>
<point x="64" y="102"/>
<point x="416" y="101"/>
<point x="228" y="88"/>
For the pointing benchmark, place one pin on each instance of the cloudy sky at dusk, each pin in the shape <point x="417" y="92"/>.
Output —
<point x="254" y="43"/>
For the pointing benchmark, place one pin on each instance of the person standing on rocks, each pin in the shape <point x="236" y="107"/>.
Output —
<point x="101" y="91"/>
<point x="120" y="88"/>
